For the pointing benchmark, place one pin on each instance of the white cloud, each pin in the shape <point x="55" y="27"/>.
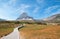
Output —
<point x="40" y="1"/>
<point x="57" y="12"/>
<point x="36" y="10"/>
<point x="22" y="8"/>
<point x="49" y="9"/>
<point x="12" y="2"/>
<point x="8" y="2"/>
<point x="8" y="5"/>
<point x="7" y="10"/>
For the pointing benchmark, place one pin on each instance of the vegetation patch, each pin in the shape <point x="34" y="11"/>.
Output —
<point x="35" y="31"/>
<point x="6" y="27"/>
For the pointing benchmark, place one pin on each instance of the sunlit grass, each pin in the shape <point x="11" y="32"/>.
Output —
<point x="34" y="27"/>
<point x="6" y="28"/>
<point x="35" y="31"/>
<point x="5" y="31"/>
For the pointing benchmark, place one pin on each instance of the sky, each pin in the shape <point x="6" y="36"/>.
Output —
<point x="38" y="9"/>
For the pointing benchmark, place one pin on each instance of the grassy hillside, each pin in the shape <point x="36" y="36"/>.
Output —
<point x="34" y="31"/>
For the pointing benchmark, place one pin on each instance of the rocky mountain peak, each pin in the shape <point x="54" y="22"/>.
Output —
<point x="24" y="16"/>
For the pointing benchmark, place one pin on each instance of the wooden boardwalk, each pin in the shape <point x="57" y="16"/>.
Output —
<point x="14" y="35"/>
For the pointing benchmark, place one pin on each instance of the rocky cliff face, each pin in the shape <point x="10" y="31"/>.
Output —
<point x="24" y="16"/>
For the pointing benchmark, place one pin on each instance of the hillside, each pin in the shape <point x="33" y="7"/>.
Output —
<point x="54" y="18"/>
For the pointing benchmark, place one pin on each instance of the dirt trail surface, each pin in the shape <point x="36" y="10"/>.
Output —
<point x="14" y="35"/>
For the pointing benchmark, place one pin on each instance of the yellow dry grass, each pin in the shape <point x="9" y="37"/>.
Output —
<point x="34" y="31"/>
<point x="5" y="31"/>
<point x="6" y="28"/>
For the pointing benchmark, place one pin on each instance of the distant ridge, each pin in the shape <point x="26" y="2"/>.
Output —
<point x="54" y="18"/>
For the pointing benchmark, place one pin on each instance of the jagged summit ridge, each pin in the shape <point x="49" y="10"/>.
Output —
<point x="24" y="16"/>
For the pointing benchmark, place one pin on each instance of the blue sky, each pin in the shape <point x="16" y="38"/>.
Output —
<point x="38" y="9"/>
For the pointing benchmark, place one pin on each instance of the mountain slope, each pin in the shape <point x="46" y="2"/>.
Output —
<point x="2" y="19"/>
<point x="24" y="16"/>
<point x="54" y="18"/>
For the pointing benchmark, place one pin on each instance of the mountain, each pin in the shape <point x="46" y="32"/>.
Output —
<point x="24" y="16"/>
<point x="54" y="18"/>
<point x="2" y="19"/>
